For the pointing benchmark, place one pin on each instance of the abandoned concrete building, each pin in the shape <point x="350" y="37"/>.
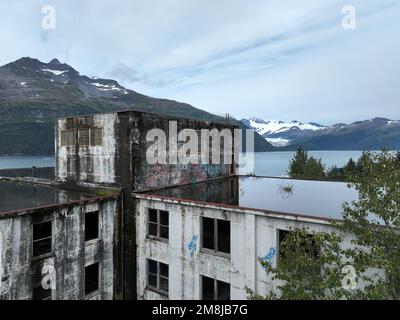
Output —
<point x="67" y="234"/>
<point x="206" y="238"/>
<point x="115" y="227"/>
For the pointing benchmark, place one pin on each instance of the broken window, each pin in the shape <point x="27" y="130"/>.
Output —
<point x="213" y="289"/>
<point x="39" y="293"/>
<point x="96" y="137"/>
<point x="42" y="238"/>
<point x="91" y="226"/>
<point x="158" y="224"/>
<point x="157" y="276"/>
<point x="91" y="278"/>
<point x="84" y="137"/>
<point x="216" y="235"/>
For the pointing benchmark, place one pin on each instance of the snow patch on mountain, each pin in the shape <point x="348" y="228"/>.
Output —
<point x="55" y="72"/>
<point x="278" y="142"/>
<point x="275" y="126"/>
<point x="106" y="87"/>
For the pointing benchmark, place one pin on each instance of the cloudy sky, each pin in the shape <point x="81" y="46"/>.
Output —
<point x="275" y="59"/>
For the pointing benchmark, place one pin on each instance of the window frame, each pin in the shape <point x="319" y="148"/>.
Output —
<point x="97" y="290"/>
<point x="97" y="212"/>
<point x="157" y="237"/>
<point x="84" y="137"/>
<point x="215" y="251"/>
<point x="158" y="277"/>
<point x="35" y="241"/>
<point x="72" y="137"/>
<point x="215" y="291"/>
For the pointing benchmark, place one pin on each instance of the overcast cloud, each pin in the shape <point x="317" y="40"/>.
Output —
<point x="275" y="59"/>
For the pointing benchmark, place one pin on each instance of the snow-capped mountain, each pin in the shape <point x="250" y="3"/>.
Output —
<point x="34" y="93"/>
<point x="371" y="134"/>
<point x="274" y="126"/>
<point x="276" y="132"/>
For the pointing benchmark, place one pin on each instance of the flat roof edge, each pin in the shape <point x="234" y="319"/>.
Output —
<point x="26" y="211"/>
<point x="272" y="213"/>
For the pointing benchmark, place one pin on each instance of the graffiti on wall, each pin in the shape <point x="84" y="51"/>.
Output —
<point x="270" y="255"/>
<point x="192" y="246"/>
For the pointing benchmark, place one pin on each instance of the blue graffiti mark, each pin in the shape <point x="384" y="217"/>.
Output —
<point x="270" y="255"/>
<point x="193" y="245"/>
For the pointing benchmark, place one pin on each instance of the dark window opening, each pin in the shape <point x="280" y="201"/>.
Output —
<point x="91" y="278"/>
<point x="41" y="294"/>
<point x="213" y="289"/>
<point x="216" y="235"/>
<point x="158" y="223"/>
<point x="91" y="225"/>
<point x="42" y="238"/>
<point x="208" y="234"/>
<point x="157" y="276"/>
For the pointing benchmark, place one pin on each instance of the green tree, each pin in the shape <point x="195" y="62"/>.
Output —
<point x="304" y="167"/>
<point x="314" y="169"/>
<point x="350" y="168"/>
<point x="298" y="164"/>
<point x="335" y="173"/>
<point x="308" y="267"/>
<point x="373" y="221"/>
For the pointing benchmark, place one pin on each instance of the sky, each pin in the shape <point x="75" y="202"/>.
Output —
<point x="274" y="59"/>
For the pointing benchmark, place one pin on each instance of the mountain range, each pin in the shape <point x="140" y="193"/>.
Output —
<point x="370" y="134"/>
<point x="33" y="94"/>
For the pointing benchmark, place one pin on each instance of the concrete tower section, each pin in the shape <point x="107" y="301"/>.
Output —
<point x="111" y="149"/>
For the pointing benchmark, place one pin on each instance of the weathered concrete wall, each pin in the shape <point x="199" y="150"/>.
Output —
<point x="157" y="176"/>
<point x="94" y="164"/>
<point x="253" y="234"/>
<point x="121" y="160"/>
<point x="70" y="254"/>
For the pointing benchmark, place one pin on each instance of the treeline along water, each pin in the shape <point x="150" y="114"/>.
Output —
<point x="266" y="163"/>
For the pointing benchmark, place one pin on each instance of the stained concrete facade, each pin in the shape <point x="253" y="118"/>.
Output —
<point x="120" y="158"/>
<point x="22" y="271"/>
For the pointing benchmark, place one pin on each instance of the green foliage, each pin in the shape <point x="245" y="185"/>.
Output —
<point x="304" y="167"/>
<point x="308" y="268"/>
<point x="311" y="266"/>
<point x="374" y="220"/>
<point x="342" y="174"/>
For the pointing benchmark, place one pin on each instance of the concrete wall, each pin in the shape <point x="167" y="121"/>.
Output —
<point x="253" y="234"/>
<point x="70" y="253"/>
<point x="121" y="160"/>
<point x="94" y="164"/>
<point x="150" y="177"/>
